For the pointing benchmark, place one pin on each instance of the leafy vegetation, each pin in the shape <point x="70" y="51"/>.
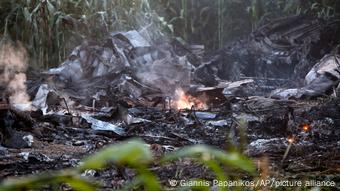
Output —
<point x="136" y="155"/>
<point x="51" y="28"/>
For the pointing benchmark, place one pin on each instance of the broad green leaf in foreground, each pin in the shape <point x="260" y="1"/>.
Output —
<point x="133" y="152"/>
<point x="38" y="181"/>
<point x="206" y="153"/>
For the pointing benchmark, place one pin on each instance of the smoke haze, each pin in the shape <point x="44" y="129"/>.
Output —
<point x="13" y="65"/>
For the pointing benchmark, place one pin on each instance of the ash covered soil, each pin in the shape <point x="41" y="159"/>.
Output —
<point x="314" y="153"/>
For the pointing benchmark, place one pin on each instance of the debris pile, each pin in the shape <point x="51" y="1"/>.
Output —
<point x="245" y="96"/>
<point x="322" y="79"/>
<point x="281" y="53"/>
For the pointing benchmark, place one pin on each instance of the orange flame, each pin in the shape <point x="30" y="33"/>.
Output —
<point x="184" y="101"/>
<point x="306" y="127"/>
<point x="290" y="139"/>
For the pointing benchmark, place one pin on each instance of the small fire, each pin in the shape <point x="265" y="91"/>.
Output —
<point x="184" y="101"/>
<point x="306" y="127"/>
<point x="290" y="140"/>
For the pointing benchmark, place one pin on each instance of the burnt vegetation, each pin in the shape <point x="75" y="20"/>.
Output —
<point x="169" y="95"/>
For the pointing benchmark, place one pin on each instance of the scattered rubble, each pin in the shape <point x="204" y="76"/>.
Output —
<point x="248" y="96"/>
<point x="322" y="79"/>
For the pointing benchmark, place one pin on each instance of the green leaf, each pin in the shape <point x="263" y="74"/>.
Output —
<point x="50" y="7"/>
<point x="314" y="6"/>
<point x="133" y="152"/>
<point x="149" y="179"/>
<point x="205" y="153"/>
<point x="27" y="15"/>
<point x="80" y="184"/>
<point x="35" y="10"/>
<point x="38" y="181"/>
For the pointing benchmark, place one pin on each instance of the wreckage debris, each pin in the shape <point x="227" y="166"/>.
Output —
<point x="322" y="79"/>
<point x="12" y="119"/>
<point x="129" y="86"/>
<point x="124" y="53"/>
<point x="103" y="126"/>
<point x="286" y="49"/>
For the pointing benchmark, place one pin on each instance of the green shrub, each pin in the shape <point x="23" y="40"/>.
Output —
<point x="136" y="155"/>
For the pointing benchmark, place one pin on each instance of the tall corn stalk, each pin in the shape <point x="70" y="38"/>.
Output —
<point x="184" y="15"/>
<point x="51" y="28"/>
<point x="221" y="21"/>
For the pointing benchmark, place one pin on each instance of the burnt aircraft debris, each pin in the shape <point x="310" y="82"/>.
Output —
<point x="322" y="79"/>
<point x="286" y="48"/>
<point x="10" y="120"/>
<point x="249" y="95"/>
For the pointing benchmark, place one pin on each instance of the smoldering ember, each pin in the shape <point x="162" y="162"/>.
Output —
<point x="265" y="106"/>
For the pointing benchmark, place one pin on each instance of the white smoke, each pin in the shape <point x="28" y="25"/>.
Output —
<point x="167" y="74"/>
<point x="163" y="69"/>
<point x="13" y="65"/>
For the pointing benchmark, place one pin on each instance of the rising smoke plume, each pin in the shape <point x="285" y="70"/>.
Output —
<point x="13" y="66"/>
<point x="167" y="72"/>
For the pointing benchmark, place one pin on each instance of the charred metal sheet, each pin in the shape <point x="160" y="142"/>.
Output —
<point x="286" y="48"/>
<point x="322" y="79"/>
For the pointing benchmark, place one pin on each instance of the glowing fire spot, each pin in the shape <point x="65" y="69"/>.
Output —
<point x="306" y="127"/>
<point x="184" y="101"/>
<point x="290" y="140"/>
